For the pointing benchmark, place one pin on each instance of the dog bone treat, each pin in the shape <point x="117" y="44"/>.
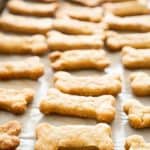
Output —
<point x="136" y="142"/>
<point x="134" y="59"/>
<point x="17" y="44"/>
<point x="32" y="8"/>
<point x="22" y="24"/>
<point x="80" y="12"/>
<point x="30" y="68"/>
<point x="140" y="83"/>
<point x="79" y="59"/>
<point x="60" y="41"/>
<point x="15" y="101"/>
<point x="45" y="1"/>
<point x="131" y="23"/>
<point x="87" y="85"/>
<point x="71" y="136"/>
<point x="9" y="132"/>
<point x="101" y="108"/>
<point x="129" y="8"/>
<point x="138" y="114"/>
<point x="116" y="41"/>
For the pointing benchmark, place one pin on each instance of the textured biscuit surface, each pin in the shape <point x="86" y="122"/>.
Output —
<point x="134" y="59"/>
<point x="138" y="114"/>
<point x="15" y="101"/>
<point x="101" y="108"/>
<point x="116" y="41"/>
<point x="129" y="8"/>
<point x="30" y="68"/>
<point x="32" y="9"/>
<point x="60" y="41"/>
<point x="136" y="142"/>
<point x="79" y="59"/>
<point x="79" y="136"/>
<point x="9" y="135"/>
<point x="86" y="85"/>
<point x="132" y="23"/>
<point x="32" y="26"/>
<point x="140" y="83"/>
<point x="17" y="44"/>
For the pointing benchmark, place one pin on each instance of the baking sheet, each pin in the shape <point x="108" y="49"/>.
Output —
<point x="32" y="117"/>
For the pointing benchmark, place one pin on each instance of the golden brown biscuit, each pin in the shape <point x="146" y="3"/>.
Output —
<point x="45" y="1"/>
<point x="9" y="135"/>
<point x="79" y="59"/>
<point x="140" y="83"/>
<point x="116" y="41"/>
<point x="24" y="7"/>
<point x="78" y="12"/>
<point x="101" y="108"/>
<point x="135" y="59"/>
<point x="60" y="41"/>
<point x="138" y="114"/>
<point x="87" y="85"/>
<point x="15" y="101"/>
<point x="131" y="23"/>
<point x="71" y="136"/>
<point x="129" y="8"/>
<point x="22" y="24"/>
<point x="17" y="44"/>
<point x="30" y="68"/>
<point x="136" y="142"/>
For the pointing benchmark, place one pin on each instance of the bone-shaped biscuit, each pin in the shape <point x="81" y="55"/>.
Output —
<point x="116" y="41"/>
<point x="136" y="142"/>
<point x="32" y="9"/>
<point x="78" y="12"/>
<point x="60" y="41"/>
<point x="140" y="83"/>
<point x="17" y="44"/>
<point x="15" y="101"/>
<point x="72" y="26"/>
<point x="9" y="135"/>
<point x="79" y="59"/>
<point x="129" y="8"/>
<point x="45" y="1"/>
<point x="30" y="68"/>
<point x="131" y="23"/>
<point x="79" y="136"/>
<point x="22" y="24"/>
<point x="101" y="108"/>
<point x="87" y="85"/>
<point x="134" y="59"/>
<point x="138" y="114"/>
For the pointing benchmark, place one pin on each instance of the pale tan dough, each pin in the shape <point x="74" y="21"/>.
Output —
<point x="29" y="68"/>
<point x="140" y="83"/>
<point x="77" y="136"/>
<point x="87" y="85"/>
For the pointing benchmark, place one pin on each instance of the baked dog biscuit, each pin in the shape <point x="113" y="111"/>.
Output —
<point x="101" y="108"/>
<point x="17" y="44"/>
<point x="140" y="83"/>
<point x="32" y="9"/>
<point x="15" y="101"/>
<point x="131" y="23"/>
<point x="60" y="41"/>
<point x="116" y="41"/>
<point x="9" y="132"/>
<point x="30" y="68"/>
<point x="27" y="25"/>
<point x="138" y="114"/>
<point x="71" y="136"/>
<point x="87" y="85"/>
<point x="78" y="12"/>
<point x="129" y="8"/>
<point x="79" y="59"/>
<point x="136" y="142"/>
<point x="135" y="59"/>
